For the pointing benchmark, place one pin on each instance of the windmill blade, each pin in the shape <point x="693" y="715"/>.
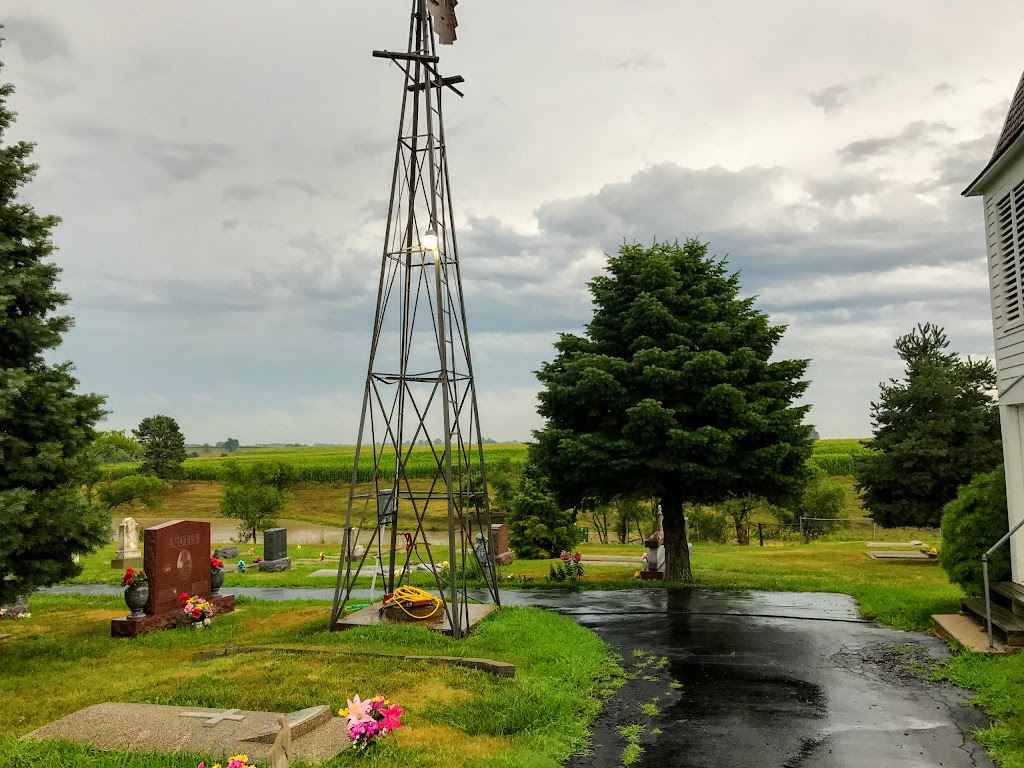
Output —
<point x="445" y="22"/>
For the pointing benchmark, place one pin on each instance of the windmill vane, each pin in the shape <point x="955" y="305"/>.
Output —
<point x="443" y="13"/>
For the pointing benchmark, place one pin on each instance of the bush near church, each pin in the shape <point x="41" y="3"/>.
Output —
<point x="971" y="523"/>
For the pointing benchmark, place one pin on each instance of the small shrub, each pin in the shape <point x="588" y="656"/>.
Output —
<point x="707" y="524"/>
<point x="537" y="525"/>
<point x="971" y="523"/>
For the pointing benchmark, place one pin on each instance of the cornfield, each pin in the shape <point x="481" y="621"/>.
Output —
<point x="324" y="464"/>
<point x="333" y="464"/>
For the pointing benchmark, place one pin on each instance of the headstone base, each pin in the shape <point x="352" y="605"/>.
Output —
<point x="646" y="575"/>
<point x="226" y="553"/>
<point x="121" y="563"/>
<point x="275" y="566"/>
<point x="125" y="627"/>
<point x="505" y="558"/>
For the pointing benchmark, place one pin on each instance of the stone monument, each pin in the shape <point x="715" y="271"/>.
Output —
<point x="226" y="553"/>
<point x="177" y="559"/>
<point x="275" y="550"/>
<point x="312" y="734"/>
<point x="128" y="554"/>
<point x="499" y="533"/>
<point x="655" y="568"/>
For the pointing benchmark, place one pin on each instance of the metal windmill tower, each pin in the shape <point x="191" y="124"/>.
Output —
<point x="419" y="383"/>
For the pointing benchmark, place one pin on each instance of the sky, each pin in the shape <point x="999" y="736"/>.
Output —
<point x="222" y="169"/>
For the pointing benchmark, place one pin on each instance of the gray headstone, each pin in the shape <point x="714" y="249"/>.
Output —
<point x="275" y="544"/>
<point x="226" y="553"/>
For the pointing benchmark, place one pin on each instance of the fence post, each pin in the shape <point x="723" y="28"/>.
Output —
<point x="801" y="529"/>
<point x="760" y="534"/>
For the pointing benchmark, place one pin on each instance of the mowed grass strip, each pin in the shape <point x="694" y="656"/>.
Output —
<point x="63" y="659"/>
<point x="315" y="503"/>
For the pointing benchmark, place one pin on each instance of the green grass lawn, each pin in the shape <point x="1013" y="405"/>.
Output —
<point x="62" y="659"/>
<point x="999" y="683"/>
<point x="900" y="594"/>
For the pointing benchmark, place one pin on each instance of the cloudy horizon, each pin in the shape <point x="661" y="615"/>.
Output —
<point x="222" y="172"/>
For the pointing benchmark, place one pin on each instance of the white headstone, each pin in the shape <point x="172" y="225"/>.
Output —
<point x="128" y="539"/>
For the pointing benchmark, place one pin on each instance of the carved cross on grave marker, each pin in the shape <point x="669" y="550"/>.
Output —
<point x="216" y="717"/>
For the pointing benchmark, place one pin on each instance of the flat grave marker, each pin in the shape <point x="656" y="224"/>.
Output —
<point x="316" y="734"/>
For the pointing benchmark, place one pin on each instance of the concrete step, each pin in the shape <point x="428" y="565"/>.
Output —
<point x="1012" y="592"/>
<point x="1010" y="625"/>
<point x="965" y="630"/>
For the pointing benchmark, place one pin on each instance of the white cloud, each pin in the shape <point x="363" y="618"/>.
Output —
<point x="223" y="210"/>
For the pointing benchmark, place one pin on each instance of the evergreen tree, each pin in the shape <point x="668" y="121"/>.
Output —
<point x="163" y="447"/>
<point x="538" y="526"/>
<point x="46" y="428"/>
<point x="671" y="393"/>
<point x="934" y="430"/>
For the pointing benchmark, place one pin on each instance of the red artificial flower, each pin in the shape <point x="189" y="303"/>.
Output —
<point x="129" y="580"/>
<point x="215" y="563"/>
<point x="183" y="597"/>
<point x="130" y="572"/>
<point x="576" y="557"/>
<point x="197" y="614"/>
<point x="391" y="719"/>
<point x="564" y="556"/>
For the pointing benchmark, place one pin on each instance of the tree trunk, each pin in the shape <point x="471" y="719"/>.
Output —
<point x="677" y="553"/>
<point x="742" y="533"/>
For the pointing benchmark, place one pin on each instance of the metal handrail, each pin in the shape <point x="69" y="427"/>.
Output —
<point x="984" y="571"/>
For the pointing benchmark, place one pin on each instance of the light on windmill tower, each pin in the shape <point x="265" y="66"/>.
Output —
<point x="429" y="241"/>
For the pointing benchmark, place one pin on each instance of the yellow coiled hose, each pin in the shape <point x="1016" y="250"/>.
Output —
<point x="412" y="594"/>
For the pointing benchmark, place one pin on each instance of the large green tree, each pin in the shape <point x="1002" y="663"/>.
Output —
<point x="46" y="428"/>
<point x="671" y="392"/>
<point x="110" y="447"/>
<point x="163" y="447"/>
<point x="934" y="430"/>
<point x="255" y="495"/>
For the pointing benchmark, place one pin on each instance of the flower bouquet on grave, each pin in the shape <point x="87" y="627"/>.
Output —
<point x="236" y="761"/>
<point x="136" y="592"/>
<point x="371" y="720"/>
<point x="569" y="569"/>
<point x="133" y="578"/>
<point x="196" y="610"/>
<point x="10" y="613"/>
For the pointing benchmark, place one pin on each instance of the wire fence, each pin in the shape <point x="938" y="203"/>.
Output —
<point x="808" y="529"/>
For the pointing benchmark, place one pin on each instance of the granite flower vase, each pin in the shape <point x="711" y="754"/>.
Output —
<point x="216" y="580"/>
<point x="135" y="598"/>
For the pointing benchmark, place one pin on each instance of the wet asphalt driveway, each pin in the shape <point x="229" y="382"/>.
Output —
<point x="744" y="679"/>
<point x="769" y="680"/>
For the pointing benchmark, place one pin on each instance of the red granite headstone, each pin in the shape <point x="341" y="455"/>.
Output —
<point x="499" y="533"/>
<point x="177" y="559"/>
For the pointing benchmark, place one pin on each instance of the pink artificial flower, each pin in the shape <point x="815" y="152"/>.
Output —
<point x="392" y="718"/>
<point x="576" y="557"/>
<point x="358" y="711"/>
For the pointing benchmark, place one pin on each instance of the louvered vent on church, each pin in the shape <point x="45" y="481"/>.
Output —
<point x="1007" y="229"/>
